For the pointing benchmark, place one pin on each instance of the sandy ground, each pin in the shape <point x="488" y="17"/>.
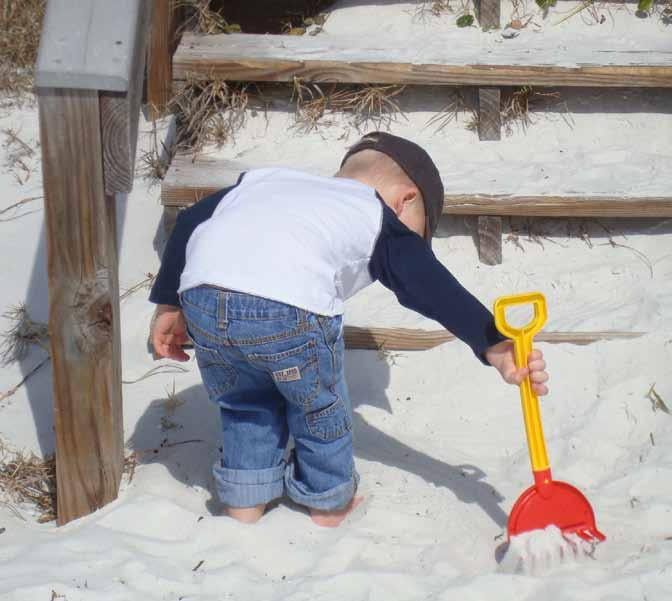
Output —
<point x="439" y="438"/>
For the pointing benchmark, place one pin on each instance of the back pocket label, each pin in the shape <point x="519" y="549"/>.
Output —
<point x="290" y="374"/>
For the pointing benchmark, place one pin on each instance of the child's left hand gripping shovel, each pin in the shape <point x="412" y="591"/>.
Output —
<point x="548" y="502"/>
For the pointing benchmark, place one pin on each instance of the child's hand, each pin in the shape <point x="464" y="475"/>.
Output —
<point x="169" y="333"/>
<point x="502" y="358"/>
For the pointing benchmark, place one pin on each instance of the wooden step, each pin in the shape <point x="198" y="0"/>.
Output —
<point x="405" y="339"/>
<point x="188" y="181"/>
<point x="459" y="58"/>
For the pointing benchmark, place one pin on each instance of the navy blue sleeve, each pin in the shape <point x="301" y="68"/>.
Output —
<point x="167" y="282"/>
<point x="403" y="262"/>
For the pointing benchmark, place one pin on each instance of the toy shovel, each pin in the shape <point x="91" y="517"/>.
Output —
<point x="548" y="502"/>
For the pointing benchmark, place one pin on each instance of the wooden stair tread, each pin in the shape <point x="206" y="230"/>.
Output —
<point x="187" y="181"/>
<point x="407" y="339"/>
<point x="456" y="59"/>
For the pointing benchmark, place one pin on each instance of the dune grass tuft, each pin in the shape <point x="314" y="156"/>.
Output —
<point x="20" y="25"/>
<point x="366" y="104"/>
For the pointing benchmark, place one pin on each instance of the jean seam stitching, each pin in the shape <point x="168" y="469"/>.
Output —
<point x="338" y="432"/>
<point x="205" y="335"/>
<point x="284" y="354"/>
<point x="265" y="339"/>
<point x="332" y="385"/>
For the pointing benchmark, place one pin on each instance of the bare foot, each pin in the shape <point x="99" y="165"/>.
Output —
<point x="246" y="515"/>
<point x="332" y="519"/>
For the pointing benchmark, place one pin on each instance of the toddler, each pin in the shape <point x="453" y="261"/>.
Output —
<point x="256" y="276"/>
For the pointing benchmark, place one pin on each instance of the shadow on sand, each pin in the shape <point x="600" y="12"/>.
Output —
<point x="187" y="442"/>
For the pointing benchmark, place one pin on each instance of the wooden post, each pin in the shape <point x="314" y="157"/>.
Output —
<point x="490" y="240"/>
<point x="169" y="218"/>
<point x="83" y="302"/>
<point x="88" y="78"/>
<point x="488" y="14"/>
<point x="120" y="113"/>
<point x="162" y="45"/>
<point x="489" y="116"/>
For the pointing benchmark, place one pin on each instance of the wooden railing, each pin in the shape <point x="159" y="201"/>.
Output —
<point x="89" y="79"/>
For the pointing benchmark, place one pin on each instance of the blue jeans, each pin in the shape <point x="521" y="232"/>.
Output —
<point x="274" y="370"/>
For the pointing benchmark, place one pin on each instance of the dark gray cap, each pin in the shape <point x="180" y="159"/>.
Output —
<point x="416" y="163"/>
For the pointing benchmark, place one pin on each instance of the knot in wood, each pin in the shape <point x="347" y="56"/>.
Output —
<point x="92" y="314"/>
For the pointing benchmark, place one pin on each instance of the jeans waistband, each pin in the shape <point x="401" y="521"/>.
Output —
<point x="229" y="304"/>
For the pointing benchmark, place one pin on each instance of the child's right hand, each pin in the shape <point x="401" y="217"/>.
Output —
<point x="501" y="356"/>
<point x="169" y="333"/>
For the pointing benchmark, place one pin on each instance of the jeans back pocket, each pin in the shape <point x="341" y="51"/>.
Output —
<point x="294" y="371"/>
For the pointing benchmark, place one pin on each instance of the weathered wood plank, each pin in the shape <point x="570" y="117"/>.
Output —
<point x="403" y="339"/>
<point x="501" y="205"/>
<point x="530" y="61"/>
<point x="83" y="302"/>
<point x="88" y="44"/>
<point x="408" y="339"/>
<point x="162" y="45"/>
<point x="558" y="206"/>
<point x="189" y="181"/>
<point x="488" y="14"/>
<point x="490" y="240"/>
<point x="489" y="115"/>
<point x="120" y="113"/>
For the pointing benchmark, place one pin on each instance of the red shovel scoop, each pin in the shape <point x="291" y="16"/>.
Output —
<point x="548" y="502"/>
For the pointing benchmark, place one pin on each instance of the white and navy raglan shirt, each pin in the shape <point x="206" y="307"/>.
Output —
<point x="312" y="242"/>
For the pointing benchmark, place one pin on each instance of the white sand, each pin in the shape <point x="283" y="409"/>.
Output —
<point x="439" y="438"/>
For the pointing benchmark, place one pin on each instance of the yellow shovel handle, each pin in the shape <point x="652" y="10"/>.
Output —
<point x="522" y="342"/>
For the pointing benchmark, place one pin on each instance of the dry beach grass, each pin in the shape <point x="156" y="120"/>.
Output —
<point x="20" y="23"/>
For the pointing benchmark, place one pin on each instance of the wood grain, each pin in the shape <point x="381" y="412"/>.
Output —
<point x="88" y="44"/>
<point x="188" y="181"/>
<point x="408" y="339"/>
<point x="162" y="45"/>
<point x="120" y="113"/>
<point x="247" y="57"/>
<point x="489" y="115"/>
<point x="83" y="307"/>
<point x="502" y="205"/>
<point x="403" y="339"/>
<point x="490" y="240"/>
<point x="558" y="206"/>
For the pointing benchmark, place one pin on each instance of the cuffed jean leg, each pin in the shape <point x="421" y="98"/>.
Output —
<point x="334" y="498"/>
<point x="245" y="488"/>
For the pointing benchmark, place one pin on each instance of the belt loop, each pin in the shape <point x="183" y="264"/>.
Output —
<point x="222" y="310"/>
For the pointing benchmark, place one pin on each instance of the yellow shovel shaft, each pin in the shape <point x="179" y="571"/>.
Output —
<point x="522" y="341"/>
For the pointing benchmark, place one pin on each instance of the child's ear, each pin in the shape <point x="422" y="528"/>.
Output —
<point x="409" y="196"/>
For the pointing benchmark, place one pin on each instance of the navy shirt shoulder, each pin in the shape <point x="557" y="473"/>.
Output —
<point x="403" y="262"/>
<point x="167" y="282"/>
